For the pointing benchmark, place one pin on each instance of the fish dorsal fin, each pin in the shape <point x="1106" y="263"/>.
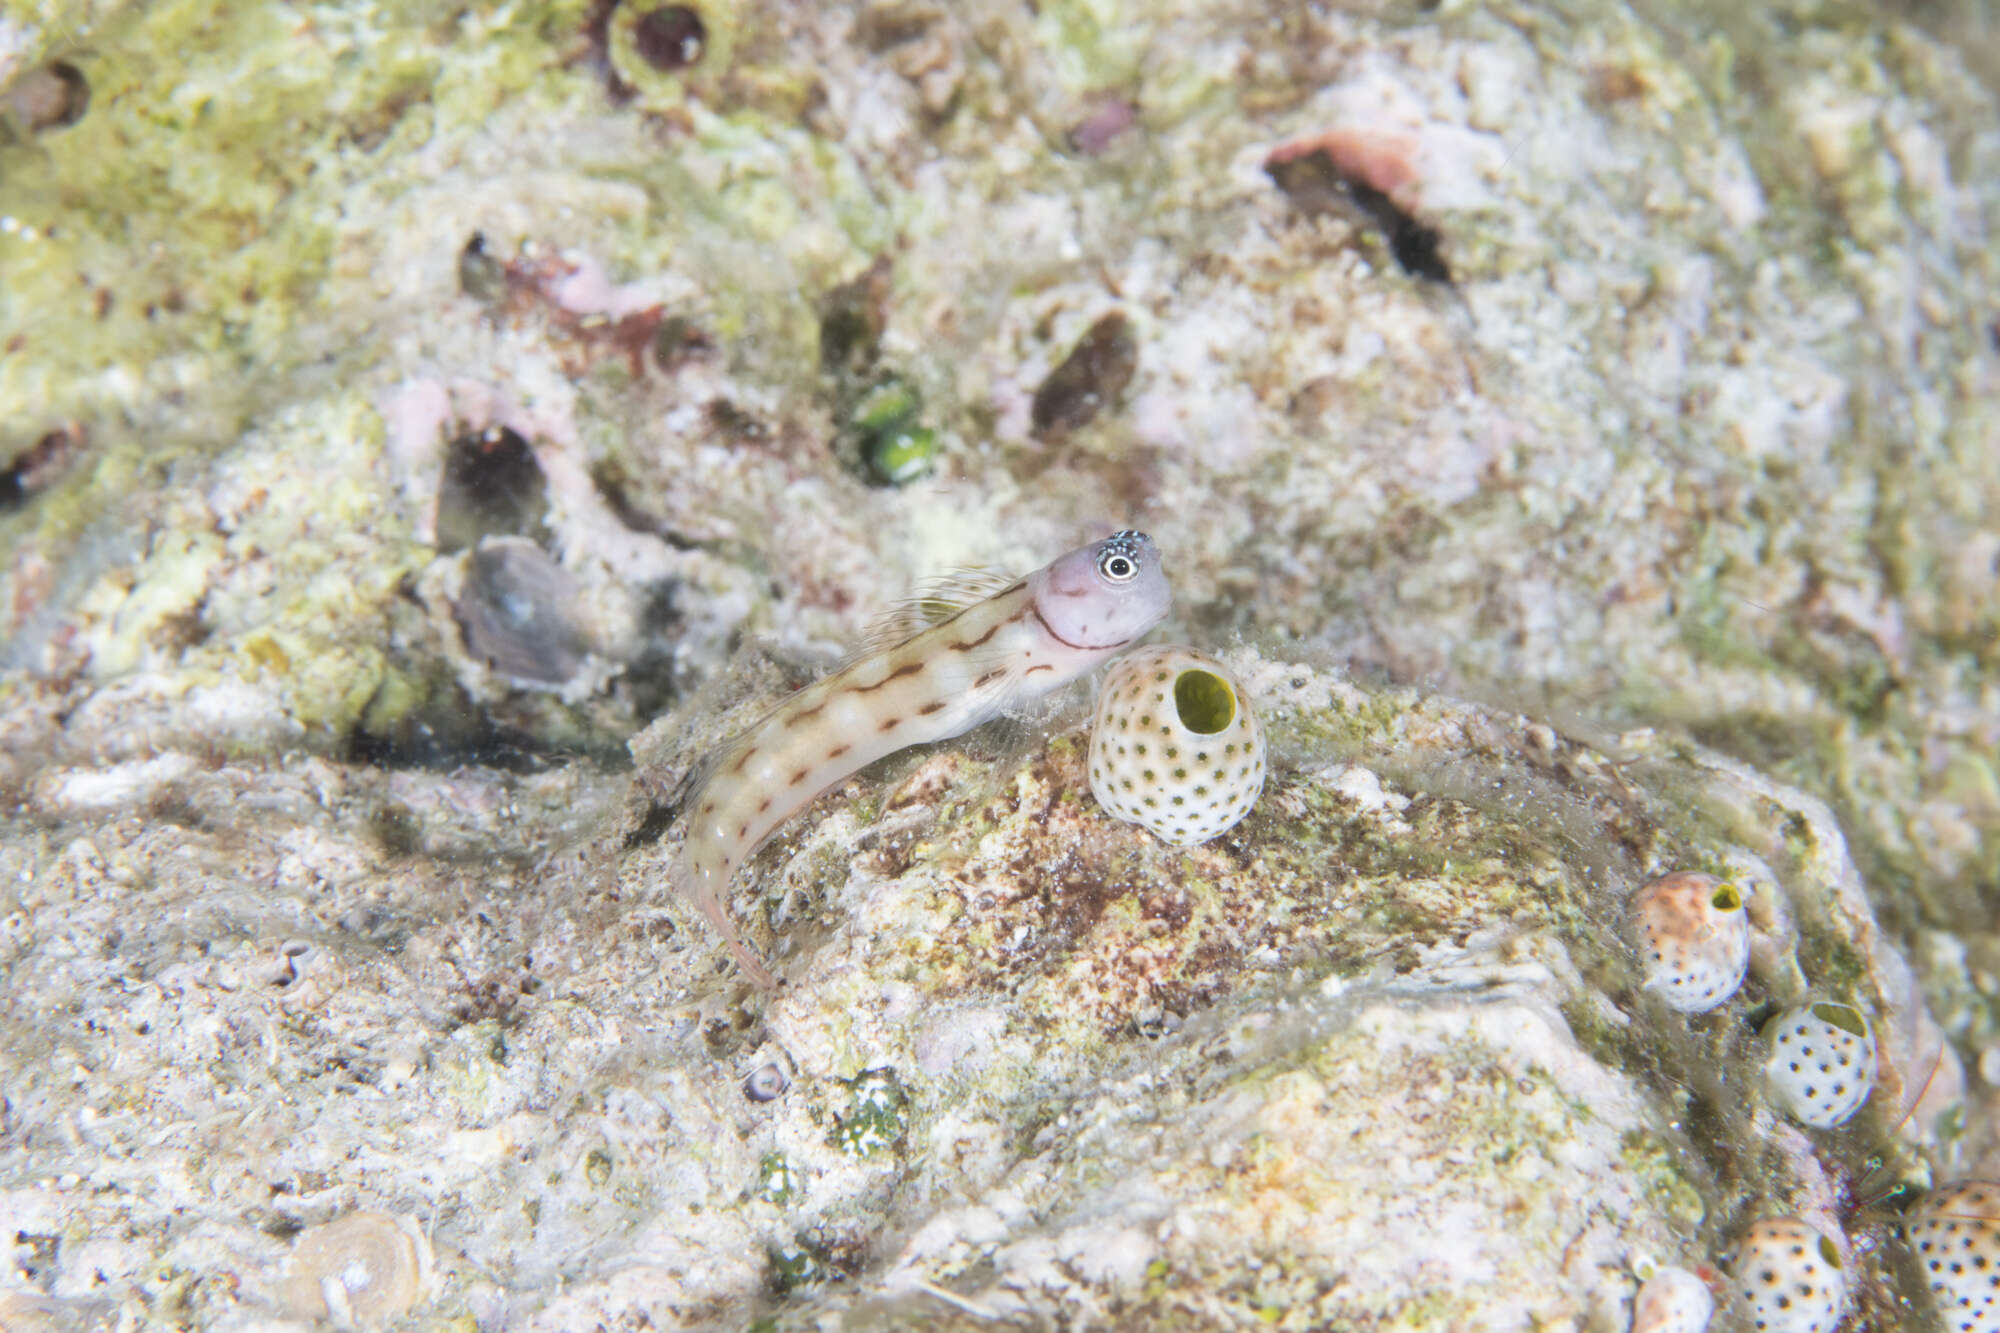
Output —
<point x="754" y="692"/>
<point x="935" y="601"/>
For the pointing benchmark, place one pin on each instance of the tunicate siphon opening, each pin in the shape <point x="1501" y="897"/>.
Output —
<point x="1841" y="1016"/>
<point x="766" y="1083"/>
<point x="671" y="37"/>
<point x="1829" y="1253"/>
<point x="51" y="98"/>
<point x="1726" y="898"/>
<point x="1205" y="702"/>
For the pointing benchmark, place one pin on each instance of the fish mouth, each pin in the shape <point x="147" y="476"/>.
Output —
<point x="1049" y="629"/>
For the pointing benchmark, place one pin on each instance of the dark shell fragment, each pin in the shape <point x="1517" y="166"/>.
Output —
<point x="1090" y="378"/>
<point x="515" y="613"/>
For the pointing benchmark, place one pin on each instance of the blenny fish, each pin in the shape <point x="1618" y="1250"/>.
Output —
<point x="966" y="651"/>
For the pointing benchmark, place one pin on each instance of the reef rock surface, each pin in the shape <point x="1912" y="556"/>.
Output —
<point x="427" y="428"/>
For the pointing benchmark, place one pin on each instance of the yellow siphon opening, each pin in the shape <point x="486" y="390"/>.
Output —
<point x="1205" y="702"/>
<point x="1828" y="1253"/>
<point x="1842" y="1017"/>
<point x="1726" y="899"/>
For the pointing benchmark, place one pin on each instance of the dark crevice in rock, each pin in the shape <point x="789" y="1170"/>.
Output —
<point x="492" y="486"/>
<point x="653" y="827"/>
<point x="1316" y="185"/>
<point x="454" y="734"/>
<point x="35" y="468"/>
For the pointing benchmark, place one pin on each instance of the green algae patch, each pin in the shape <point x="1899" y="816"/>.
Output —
<point x="877" y="1119"/>
<point x="1653" y="1165"/>
<point x="196" y="193"/>
<point x="778" y="1182"/>
<point x="1089" y="43"/>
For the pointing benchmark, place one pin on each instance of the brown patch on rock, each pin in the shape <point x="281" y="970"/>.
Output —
<point x="1089" y="379"/>
<point x="930" y="779"/>
<point x="37" y="467"/>
<point x="1116" y="923"/>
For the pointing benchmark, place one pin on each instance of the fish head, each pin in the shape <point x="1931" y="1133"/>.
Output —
<point x="1101" y="597"/>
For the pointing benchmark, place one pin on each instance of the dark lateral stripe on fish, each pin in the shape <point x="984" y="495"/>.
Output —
<point x="805" y="714"/>
<point x="969" y="644"/>
<point x="907" y="669"/>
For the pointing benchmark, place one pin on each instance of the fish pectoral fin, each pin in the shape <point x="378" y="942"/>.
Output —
<point x="1047" y="712"/>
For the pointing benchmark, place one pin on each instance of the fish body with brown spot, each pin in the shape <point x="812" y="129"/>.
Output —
<point x="961" y="665"/>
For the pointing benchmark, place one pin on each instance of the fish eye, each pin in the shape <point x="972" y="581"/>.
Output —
<point x="1117" y="566"/>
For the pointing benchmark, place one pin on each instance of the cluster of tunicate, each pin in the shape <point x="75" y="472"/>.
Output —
<point x="1693" y="933"/>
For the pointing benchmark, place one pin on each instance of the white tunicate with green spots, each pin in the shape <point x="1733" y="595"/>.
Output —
<point x="1954" y="1232"/>
<point x="1175" y="746"/>
<point x="1789" y="1277"/>
<point x="1694" y="939"/>
<point x="1821" y="1064"/>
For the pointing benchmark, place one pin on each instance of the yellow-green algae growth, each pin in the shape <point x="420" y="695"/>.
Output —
<point x="188" y="271"/>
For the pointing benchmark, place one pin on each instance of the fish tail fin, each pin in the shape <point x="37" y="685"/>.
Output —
<point x="692" y="883"/>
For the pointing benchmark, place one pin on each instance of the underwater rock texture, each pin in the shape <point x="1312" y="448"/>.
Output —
<point x="1574" y="426"/>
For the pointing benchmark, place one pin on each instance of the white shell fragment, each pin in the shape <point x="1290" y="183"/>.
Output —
<point x="1175" y="746"/>
<point x="1694" y="938"/>
<point x="1673" y="1300"/>
<point x="359" y="1271"/>
<point x="1821" y="1065"/>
